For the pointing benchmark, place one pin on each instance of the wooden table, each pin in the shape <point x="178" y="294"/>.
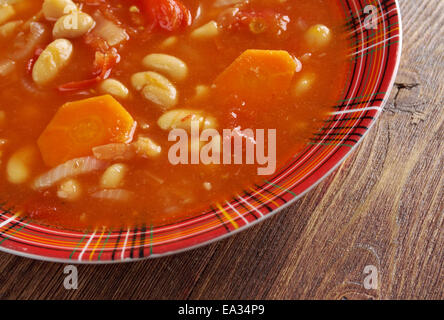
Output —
<point x="383" y="207"/>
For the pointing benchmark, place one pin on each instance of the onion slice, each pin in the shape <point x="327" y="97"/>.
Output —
<point x="113" y="194"/>
<point x="114" y="152"/>
<point x="70" y="168"/>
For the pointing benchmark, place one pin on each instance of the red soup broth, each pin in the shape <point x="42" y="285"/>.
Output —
<point x="208" y="37"/>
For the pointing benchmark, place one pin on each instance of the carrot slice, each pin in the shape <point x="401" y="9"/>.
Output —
<point x="81" y="125"/>
<point x="257" y="76"/>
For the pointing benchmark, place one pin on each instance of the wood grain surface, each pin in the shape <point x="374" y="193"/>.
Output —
<point x="384" y="207"/>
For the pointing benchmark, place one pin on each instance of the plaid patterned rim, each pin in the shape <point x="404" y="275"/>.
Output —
<point x="374" y="55"/>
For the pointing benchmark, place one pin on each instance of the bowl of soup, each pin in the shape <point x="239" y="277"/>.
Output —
<point x="140" y="128"/>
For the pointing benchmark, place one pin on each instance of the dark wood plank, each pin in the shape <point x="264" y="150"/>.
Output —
<point x="384" y="207"/>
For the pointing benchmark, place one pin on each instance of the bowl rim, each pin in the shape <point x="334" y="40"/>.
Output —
<point x="260" y="219"/>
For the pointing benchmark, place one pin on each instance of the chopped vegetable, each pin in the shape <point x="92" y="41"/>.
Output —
<point x="146" y="148"/>
<point x="105" y="60"/>
<point x="114" y="151"/>
<point x="109" y="31"/>
<point x="69" y="169"/>
<point x="103" y="65"/>
<point x="82" y="125"/>
<point x="205" y="32"/>
<point x="169" y="15"/>
<point x="25" y="43"/>
<point x="143" y="147"/>
<point x="257" y="76"/>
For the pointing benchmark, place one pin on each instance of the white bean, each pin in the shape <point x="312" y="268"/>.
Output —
<point x="113" y="177"/>
<point x="162" y="93"/>
<point x="165" y="63"/>
<point x="182" y="119"/>
<point x="207" y="31"/>
<point x="318" y="36"/>
<point x="18" y="168"/>
<point x="8" y="29"/>
<point x="52" y="60"/>
<point x="69" y="190"/>
<point x="6" y="12"/>
<point x="202" y="91"/>
<point x="179" y="119"/>
<point x="147" y="148"/>
<point x="303" y="84"/>
<point x="155" y="88"/>
<point x="73" y="25"/>
<point x="140" y="80"/>
<point x="114" y="88"/>
<point x="54" y="9"/>
<point x="169" y="42"/>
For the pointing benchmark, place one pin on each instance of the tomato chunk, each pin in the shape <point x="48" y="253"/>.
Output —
<point x="169" y="15"/>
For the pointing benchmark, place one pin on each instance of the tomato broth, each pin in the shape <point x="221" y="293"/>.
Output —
<point x="147" y="64"/>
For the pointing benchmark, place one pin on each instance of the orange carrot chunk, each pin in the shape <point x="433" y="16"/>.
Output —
<point x="257" y="76"/>
<point x="82" y="125"/>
